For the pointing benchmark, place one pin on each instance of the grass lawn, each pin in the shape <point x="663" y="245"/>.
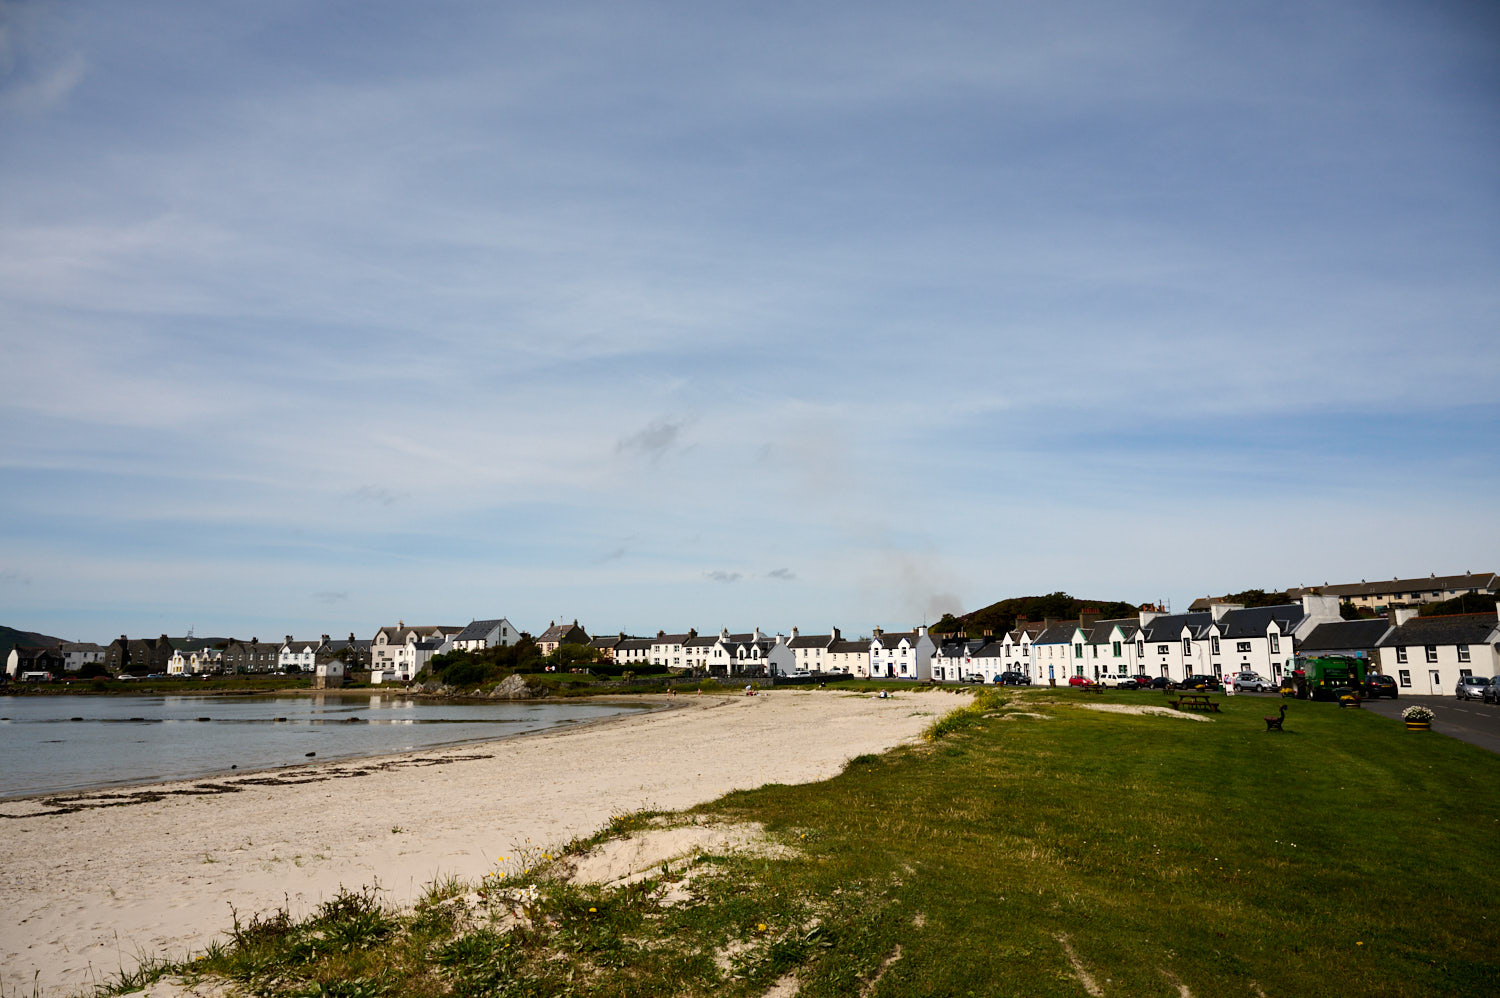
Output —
<point x="1073" y="853"/>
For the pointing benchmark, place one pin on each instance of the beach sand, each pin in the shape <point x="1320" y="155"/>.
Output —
<point x="86" y="892"/>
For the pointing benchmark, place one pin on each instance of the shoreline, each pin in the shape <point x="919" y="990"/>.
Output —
<point x="125" y="787"/>
<point x="90" y="891"/>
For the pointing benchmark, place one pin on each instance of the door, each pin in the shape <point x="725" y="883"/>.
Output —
<point x="1436" y="680"/>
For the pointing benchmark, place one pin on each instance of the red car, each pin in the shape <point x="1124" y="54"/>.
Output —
<point x="1080" y="681"/>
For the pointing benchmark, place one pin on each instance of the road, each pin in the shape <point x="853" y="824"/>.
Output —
<point x="1469" y="720"/>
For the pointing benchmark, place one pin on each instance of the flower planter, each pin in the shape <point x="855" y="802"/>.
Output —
<point x="1418" y="725"/>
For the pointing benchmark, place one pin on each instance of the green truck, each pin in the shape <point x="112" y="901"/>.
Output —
<point x="1324" y="677"/>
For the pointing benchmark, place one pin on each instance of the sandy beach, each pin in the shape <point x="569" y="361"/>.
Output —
<point x="90" y="886"/>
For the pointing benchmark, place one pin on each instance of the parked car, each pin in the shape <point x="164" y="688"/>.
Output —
<point x="1013" y="679"/>
<point x="1471" y="687"/>
<point x="1132" y="682"/>
<point x="1492" y="691"/>
<point x="1160" y="683"/>
<point x="1080" y="681"/>
<point x="1252" y="681"/>
<point x="1201" y="683"/>
<point x="1377" y="685"/>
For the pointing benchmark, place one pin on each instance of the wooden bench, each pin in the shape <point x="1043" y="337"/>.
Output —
<point x="1094" y="688"/>
<point x="1195" y="701"/>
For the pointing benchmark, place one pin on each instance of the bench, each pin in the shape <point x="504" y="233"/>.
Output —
<point x="1195" y="701"/>
<point x="1093" y="688"/>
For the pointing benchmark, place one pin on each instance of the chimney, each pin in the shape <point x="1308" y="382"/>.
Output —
<point x="987" y="634"/>
<point x="877" y="632"/>
<point x="1399" y="615"/>
<point x="1089" y="617"/>
<point x="921" y="629"/>
<point x="325" y="639"/>
<point x="1218" y="610"/>
<point x="288" y="639"/>
<point x="836" y="636"/>
<point x="660" y="635"/>
<point x="794" y="632"/>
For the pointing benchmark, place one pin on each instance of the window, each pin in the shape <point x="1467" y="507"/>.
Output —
<point x="1432" y="653"/>
<point x="1162" y="649"/>
<point x="1243" y="647"/>
<point x="1187" y="646"/>
<point x="1401" y="655"/>
<point x="1213" y="644"/>
<point x="1140" y="649"/>
<point x="1276" y="644"/>
<point x="1117" y="649"/>
<point x="1078" y="651"/>
<point x="1463" y="653"/>
<point x="1465" y="673"/>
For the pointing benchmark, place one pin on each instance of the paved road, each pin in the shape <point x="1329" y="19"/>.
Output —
<point x="1470" y="720"/>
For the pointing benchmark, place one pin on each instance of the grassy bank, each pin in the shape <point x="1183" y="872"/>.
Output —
<point x="1032" y="846"/>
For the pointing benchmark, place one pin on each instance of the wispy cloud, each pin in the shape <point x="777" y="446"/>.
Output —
<point x="722" y="576"/>
<point x="653" y="441"/>
<point x="783" y="574"/>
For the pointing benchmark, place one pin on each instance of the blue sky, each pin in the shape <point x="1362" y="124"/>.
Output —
<point x="321" y="315"/>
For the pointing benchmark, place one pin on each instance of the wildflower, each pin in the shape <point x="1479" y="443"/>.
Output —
<point x="593" y="909"/>
<point x="761" y="927"/>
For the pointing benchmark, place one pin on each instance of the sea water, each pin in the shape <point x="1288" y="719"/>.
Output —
<point x="53" y="744"/>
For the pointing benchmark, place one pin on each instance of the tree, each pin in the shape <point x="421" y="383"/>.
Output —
<point x="1466" y="603"/>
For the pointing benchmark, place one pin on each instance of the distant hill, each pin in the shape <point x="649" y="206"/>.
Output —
<point x="1002" y="616"/>
<point x="10" y="638"/>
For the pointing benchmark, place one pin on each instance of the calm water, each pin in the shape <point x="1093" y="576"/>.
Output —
<point x="58" y="743"/>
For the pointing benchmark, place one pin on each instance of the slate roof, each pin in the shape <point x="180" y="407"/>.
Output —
<point x="1433" y="583"/>
<point x="671" y="639"/>
<point x="1450" y="629"/>
<point x="1253" y="622"/>
<point x="1169" y="626"/>
<point x="702" y="641"/>
<point x="1345" y="635"/>
<point x="1057" y="634"/>
<point x="846" y="647"/>
<point x="810" y="641"/>
<point x="1102" y="629"/>
<point x="635" y="644"/>
<point x="893" y="640"/>
<point x="994" y="649"/>
<point x="477" y="629"/>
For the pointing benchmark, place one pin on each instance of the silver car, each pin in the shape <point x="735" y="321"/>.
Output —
<point x="1471" y="687"/>
<point x="1252" y="681"/>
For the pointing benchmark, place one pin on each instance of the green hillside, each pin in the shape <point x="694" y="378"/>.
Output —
<point x="10" y="638"/>
<point x="1002" y="616"/>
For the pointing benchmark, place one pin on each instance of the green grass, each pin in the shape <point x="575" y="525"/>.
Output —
<point x="1344" y="856"/>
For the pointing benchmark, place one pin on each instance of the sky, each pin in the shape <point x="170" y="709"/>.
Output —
<point x="317" y="316"/>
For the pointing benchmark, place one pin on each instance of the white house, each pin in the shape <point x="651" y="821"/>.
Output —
<point x="77" y="654"/>
<point x="482" y="634"/>
<point x="634" y="651"/>
<point x="393" y="650"/>
<point x="902" y="655"/>
<point x="1112" y="649"/>
<point x="1427" y="655"/>
<point x="810" y="651"/>
<point x="852" y="657"/>
<point x="666" y="649"/>
<point x="303" y="655"/>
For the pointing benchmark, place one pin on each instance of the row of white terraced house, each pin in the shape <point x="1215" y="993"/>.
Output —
<point x="1225" y="639"/>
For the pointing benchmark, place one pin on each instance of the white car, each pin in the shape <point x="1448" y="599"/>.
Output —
<point x="1252" y="681"/>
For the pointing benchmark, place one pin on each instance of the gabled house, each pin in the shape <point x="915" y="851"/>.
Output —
<point x="902" y="654"/>
<point x="851" y="657"/>
<point x="810" y="651"/>
<point x="666" y="649"/>
<point x="1382" y="595"/>
<point x="556" y="635"/>
<point x="482" y="634"/>
<point x="299" y="656"/>
<point x="138" y="656"/>
<point x="953" y="657"/>
<point x="1263" y="639"/>
<point x="1355" y="638"/>
<point x="47" y="659"/>
<point x="1427" y="655"/>
<point x="393" y="650"/>
<point x="633" y="651"/>
<point x="250" y="656"/>
<point x="1017" y="648"/>
<point x="606" y="644"/>
<point x="1112" y="649"/>
<point x="353" y="652"/>
<point x="77" y="654"/>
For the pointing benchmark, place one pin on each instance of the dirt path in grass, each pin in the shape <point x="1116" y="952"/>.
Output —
<point x="87" y="890"/>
